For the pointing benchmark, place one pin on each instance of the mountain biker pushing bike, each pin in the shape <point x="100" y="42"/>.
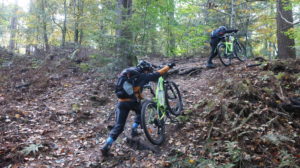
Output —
<point x="216" y="36"/>
<point x="129" y="89"/>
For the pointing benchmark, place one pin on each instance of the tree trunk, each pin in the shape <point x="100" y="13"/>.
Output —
<point x="44" y="20"/>
<point x="153" y="43"/>
<point x="124" y="34"/>
<point x="64" y="29"/>
<point x="232" y="15"/>
<point x="81" y="36"/>
<point x="13" y="28"/>
<point x="76" y="31"/>
<point x="78" y="12"/>
<point x="171" y="24"/>
<point x="27" y="51"/>
<point x="80" y="8"/>
<point x="286" y="45"/>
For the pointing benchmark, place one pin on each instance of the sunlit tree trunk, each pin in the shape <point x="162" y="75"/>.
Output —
<point x="13" y="27"/>
<point x="286" y="45"/>
<point x="64" y="28"/>
<point x="44" y="23"/>
<point x="171" y="24"/>
<point x="78" y="6"/>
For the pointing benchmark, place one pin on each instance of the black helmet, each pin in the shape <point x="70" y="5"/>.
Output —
<point x="222" y="28"/>
<point x="144" y="66"/>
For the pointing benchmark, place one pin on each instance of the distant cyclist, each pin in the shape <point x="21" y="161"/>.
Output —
<point x="216" y="36"/>
<point x="129" y="89"/>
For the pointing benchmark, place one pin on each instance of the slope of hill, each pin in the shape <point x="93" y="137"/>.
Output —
<point x="55" y="115"/>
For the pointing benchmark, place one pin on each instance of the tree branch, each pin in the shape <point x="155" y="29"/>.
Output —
<point x="289" y="22"/>
<point x="57" y="24"/>
<point x="221" y="11"/>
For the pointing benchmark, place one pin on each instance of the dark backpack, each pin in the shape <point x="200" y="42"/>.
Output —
<point x="215" y="33"/>
<point x="125" y="83"/>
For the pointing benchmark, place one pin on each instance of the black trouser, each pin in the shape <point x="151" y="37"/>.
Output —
<point x="122" y="112"/>
<point x="213" y="44"/>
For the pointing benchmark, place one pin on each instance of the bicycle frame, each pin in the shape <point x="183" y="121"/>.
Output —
<point x="229" y="40"/>
<point x="229" y="44"/>
<point x="156" y="112"/>
<point x="160" y="98"/>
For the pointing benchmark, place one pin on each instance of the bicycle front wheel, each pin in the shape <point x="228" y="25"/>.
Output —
<point x="224" y="57"/>
<point x="153" y="125"/>
<point x="240" y="51"/>
<point x="173" y="99"/>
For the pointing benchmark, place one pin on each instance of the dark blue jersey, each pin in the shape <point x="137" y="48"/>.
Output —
<point x="219" y="33"/>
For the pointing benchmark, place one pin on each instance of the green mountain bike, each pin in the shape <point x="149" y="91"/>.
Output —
<point x="231" y="48"/>
<point x="166" y="104"/>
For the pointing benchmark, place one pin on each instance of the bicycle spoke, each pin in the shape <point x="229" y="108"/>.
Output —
<point x="223" y="55"/>
<point x="152" y="126"/>
<point x="173" y="97"/>
<point x="240" y="51"/>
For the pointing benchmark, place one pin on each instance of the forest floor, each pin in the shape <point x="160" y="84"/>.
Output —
<point x="55" y="115"/>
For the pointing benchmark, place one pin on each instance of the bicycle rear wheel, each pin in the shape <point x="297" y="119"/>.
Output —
<point x="240" y="51"/>
<point x="225" y="58"/>
<point x="173" y="98"/>
<point x="153" y="126"/>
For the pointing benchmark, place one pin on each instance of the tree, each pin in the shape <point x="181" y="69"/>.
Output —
<point x="55" y="11"/>
<point x="124" y="33"/>
<point x="232" y="14"/>
<point x="284" y="19"/>
<point x="13" y="27"/>
<point x="78" y="7"/>
<point x="44" y="24"/>
<point x="64" y="28"/>
<point x="171" y="24"/>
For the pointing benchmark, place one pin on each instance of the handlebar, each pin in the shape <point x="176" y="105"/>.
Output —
<point x="229" y="34"/>
<point x="159" y="66"/>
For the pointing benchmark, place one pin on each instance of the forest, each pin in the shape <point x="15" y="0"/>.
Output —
<point x="60" y="59"/>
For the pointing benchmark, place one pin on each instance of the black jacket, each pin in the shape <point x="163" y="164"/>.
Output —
<point x="219" y="33"/>
<point x="142" y="80"/>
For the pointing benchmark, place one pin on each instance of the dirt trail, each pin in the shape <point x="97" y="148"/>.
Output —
<point x="70" y="122"/>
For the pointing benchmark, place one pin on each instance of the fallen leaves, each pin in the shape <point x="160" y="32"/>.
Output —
<point x="220" y="92"/>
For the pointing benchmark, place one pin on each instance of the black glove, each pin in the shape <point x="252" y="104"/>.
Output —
<point x="171" y="65"/>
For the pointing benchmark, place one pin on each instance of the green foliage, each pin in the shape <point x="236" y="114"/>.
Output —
<point x="84" y="67"/>
<point x="33" y="148"/>
<point x="2" y="60"/>
<point x="201" y="162"/>
<point x="280" y="75"/>
<point x="160" y="27"/>
<point x="183" y="119"/>
<point x="212" y="164"/>
<point x="234" y="151"/>
<point x="35" y="63"/>
<point x="98" y="60"/>
<point x="210" y="106"/>
<point x="267" y="76"/>
<point x="287" y="160"/>
<point x="200" y="104"/>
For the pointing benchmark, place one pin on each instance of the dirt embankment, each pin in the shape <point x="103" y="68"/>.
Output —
<point x="55" y="114"/>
